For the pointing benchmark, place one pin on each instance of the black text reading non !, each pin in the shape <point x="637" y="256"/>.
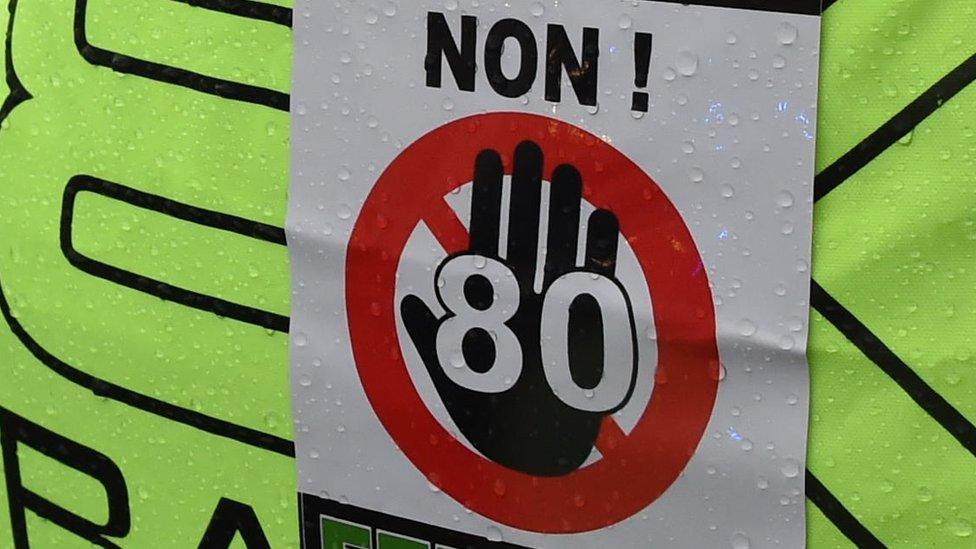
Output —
<point x="459" y="51"/>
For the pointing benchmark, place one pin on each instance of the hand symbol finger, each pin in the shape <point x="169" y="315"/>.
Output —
<point x="564" y="216"/>
<point x="523" y="224"/>
<point x="601" y="243"/>
<point x="421" y="325"/>
<point x="486" y="203"/>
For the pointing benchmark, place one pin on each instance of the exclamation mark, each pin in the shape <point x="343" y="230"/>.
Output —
<point x="642" y="63"/>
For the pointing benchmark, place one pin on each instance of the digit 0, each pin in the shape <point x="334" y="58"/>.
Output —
<point x="465" y="317"/>
<point x="616" y="381"/>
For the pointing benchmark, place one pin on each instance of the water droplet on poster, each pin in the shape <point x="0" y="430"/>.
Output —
<point x="747" y="327"/>
<point x="786" y="33"/>
<point x="686" y="62"/>
<point x="740" y="541"/>
<point x="784" y="199"/>
<point x="493" y="533"/>
<point x="790" y="468"/>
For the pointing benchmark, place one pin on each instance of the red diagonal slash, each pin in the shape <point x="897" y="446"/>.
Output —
<point x="447" y="228"/>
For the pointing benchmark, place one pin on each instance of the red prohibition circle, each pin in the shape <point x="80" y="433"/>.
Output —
<point x="635" y="468"/>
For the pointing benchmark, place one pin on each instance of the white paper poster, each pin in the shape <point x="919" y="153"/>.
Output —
<point x="551" y="272"/>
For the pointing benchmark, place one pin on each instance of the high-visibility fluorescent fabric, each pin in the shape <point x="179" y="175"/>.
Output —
<point x="189" y="104"/>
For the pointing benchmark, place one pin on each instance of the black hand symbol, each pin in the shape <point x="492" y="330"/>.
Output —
<point x="527" y="426"/>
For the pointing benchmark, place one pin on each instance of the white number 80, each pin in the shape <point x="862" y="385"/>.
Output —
<point x="619" y="367"/>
